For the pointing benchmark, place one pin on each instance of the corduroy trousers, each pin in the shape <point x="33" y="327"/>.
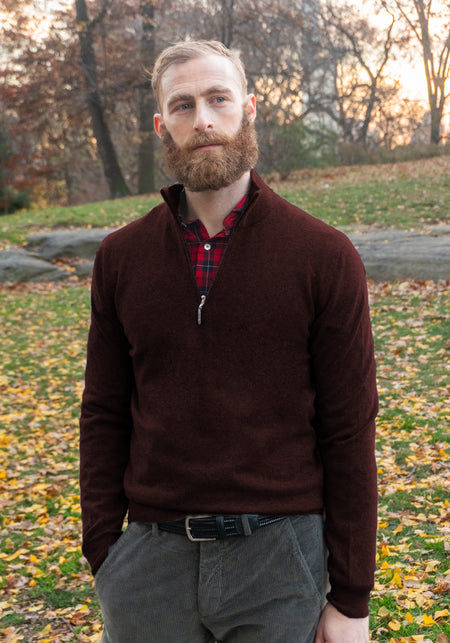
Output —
<point x="158" y="587"/>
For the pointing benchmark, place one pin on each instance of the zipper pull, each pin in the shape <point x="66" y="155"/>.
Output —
<point x="199" y="310"/>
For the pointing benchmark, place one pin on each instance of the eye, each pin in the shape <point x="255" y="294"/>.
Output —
<point x="181" y="107"/>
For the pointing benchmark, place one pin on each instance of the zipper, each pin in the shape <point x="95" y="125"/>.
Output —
<point x="200" y="309"/>
<point x="187" y="255"/>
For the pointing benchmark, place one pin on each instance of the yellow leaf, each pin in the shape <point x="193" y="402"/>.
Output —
<point x="394" y="626"/>
<point x="441" y="614"/>
<point x="398" y="529"/>
<point x="16" y="554"/>
<point x="396" y="579"/>
<point x="383" y="611"/>
<point x="409" y="617"/>
<point x="428" y="620"/>
<point x="432" y="565"/>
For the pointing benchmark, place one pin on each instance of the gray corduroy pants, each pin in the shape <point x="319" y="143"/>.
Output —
<point x="157" y="587"/>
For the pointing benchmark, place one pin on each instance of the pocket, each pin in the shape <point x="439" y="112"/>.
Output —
<point x="113" y="553"/>
<point x="309" y="545"/>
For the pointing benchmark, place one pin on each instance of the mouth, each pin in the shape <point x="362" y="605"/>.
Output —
<point x="207" y="146"/>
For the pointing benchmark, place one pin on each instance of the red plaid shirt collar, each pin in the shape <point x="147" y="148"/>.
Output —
<point x="207" y="252"/>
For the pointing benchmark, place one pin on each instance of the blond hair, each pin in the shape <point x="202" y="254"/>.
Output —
<point x="182" y="52"/>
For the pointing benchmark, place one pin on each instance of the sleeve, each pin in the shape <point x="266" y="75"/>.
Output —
<point x="346" y="406"/>
<point x="105" y="422"/>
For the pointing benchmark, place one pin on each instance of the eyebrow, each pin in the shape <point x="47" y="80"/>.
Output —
<point x="181" y="98"/>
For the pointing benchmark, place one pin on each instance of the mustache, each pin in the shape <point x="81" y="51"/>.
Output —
<point x="206" y="138"/>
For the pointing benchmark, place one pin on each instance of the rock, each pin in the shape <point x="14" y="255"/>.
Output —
<point x="19" y="265"/>
<point x="387" y="254"/>
<point x="67" y="243"/>
<point x="403" y="254"/>
<point x="83" y="270"/>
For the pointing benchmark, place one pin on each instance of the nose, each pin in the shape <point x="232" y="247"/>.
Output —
<point x="203" y="119"/>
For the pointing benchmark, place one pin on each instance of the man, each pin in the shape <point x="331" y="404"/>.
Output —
<point x="230" y="396"/>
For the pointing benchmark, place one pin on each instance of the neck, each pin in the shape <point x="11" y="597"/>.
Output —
<point x="212" y="206"/>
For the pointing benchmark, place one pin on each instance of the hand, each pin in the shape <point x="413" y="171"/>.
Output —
<point x="334" y="627"/>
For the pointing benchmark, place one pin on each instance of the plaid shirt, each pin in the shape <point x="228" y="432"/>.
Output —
<point x="207" y="252"/>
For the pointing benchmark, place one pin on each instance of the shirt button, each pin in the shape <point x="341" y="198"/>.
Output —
<point x="207" y="246"/>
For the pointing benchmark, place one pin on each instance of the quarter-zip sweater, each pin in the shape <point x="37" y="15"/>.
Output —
<point x="259" y="398"/>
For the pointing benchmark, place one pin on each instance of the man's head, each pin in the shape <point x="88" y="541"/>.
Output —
<point x="183" y="52"/>
<point x="206" y="116"/>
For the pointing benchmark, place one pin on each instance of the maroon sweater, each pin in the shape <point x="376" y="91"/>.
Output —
<point x="267" y="406"/>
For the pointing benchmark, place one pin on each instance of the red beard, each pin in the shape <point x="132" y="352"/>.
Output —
<point x="212" y="169"/>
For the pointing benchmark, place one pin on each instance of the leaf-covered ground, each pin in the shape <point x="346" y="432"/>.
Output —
<point x="45" y="584"/>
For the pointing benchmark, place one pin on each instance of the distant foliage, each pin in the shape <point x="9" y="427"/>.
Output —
<point x="74" y="93"/>
<point x="11" y="199"/>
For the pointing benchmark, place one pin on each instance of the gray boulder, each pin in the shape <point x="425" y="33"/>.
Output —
<point x="404" y="254"/>
<point x="81" y="243"/>
<point x="19" y="265"/>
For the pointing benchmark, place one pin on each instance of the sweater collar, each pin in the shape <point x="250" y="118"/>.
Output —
<point x="171" y="194"/>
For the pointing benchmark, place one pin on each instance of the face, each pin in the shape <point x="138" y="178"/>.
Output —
<point x="206" y="123"/>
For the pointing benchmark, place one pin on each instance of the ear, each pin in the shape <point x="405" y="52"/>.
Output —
<point x="158" y="124"/>
<point x="251" y="107"/>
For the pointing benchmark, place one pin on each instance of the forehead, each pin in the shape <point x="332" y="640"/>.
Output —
<point x="196" y="76"/>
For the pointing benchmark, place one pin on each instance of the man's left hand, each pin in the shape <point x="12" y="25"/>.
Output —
<point x="334" y="627"/>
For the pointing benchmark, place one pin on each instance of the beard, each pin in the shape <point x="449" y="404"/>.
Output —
<point x="200" y="170"/>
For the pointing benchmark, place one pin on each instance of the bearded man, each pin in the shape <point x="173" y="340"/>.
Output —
<point x="230" y="396"/>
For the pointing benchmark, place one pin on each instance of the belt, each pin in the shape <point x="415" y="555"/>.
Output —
<point x="201" y="528"/>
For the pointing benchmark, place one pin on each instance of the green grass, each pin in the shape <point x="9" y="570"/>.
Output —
<point x="14" y="228"/>
<point x="402" y="195"/>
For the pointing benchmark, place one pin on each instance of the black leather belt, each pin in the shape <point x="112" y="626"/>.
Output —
<point x="201" y="528"/>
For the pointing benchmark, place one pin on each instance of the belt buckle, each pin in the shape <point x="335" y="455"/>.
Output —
<point x="188" y="530"/>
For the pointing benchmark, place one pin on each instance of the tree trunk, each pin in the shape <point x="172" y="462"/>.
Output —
<point x="105" y="146"/>
<point x="435" y="126"/>
<point x="147" y="106"/>
<point x="436" y="72"/>
<point x="227" y="22"/>
<point x="362" y="136"/>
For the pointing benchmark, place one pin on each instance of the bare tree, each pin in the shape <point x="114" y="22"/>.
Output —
<point x="147" y="106"/>
<point x="106" y="149"/>
<point x="430" y="26"/>
<point x="227" y="22"/>
<point x="361" y="52"/>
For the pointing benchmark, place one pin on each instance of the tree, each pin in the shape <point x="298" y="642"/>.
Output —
<point x="147" y="106"/>
<point x="361" y="52"/>
<point x="11" y="199"/>
<point x="107" y="152"/>
<point x="430" y="26"/>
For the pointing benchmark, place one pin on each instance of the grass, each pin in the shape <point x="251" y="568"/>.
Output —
<point x="46" y="590"/>
<point x="403" y="195"/>
<point x="14" y="228"/>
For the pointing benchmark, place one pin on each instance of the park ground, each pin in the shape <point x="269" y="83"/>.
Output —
<point x="46" y="588"/>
